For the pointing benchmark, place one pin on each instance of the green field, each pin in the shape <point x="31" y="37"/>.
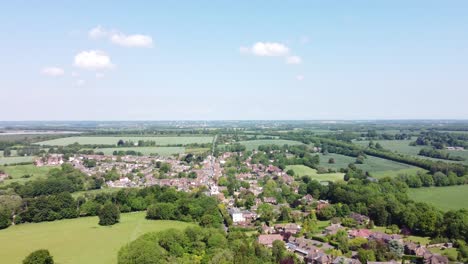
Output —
<point x="14" y="160"/>
<point x="17" y="171"/>
<point x="160" y="141"/>
<point x="253" y="144"/>
<point x="399" y="146"/>
<point x="163" y="151"/>
<point x="378" y="167"/>
<point x="301" y="170"/>
<point x="95" y="192"/>
<point x="444" y="198"/>
<point x="79" y="240"/>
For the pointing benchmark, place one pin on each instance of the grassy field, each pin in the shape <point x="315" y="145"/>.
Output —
<point x="163" y="151"/>
<point x="160" y="141"/>
<point x="253" y="144"/>
<point x="18" y="171"/>
<point x="13" y="160"/>
<point x="399" y="146"/>
<point x="444" y="198"/>
<point x="378" y="167"/>
<point x="95" y="192"/>
<point x="79" y="240"/>
<point x="301" y="170"/>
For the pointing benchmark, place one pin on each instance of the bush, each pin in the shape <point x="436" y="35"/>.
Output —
<point x="41" y="256"/>
<point x="109" y="214"/>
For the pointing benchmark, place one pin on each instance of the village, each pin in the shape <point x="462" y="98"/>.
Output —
<point x="312" y="245"/>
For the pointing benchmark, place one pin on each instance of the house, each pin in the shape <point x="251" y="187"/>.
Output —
<point x="267" y="229"/>
<point x="270" y="200"/>
<point x="364" y="233"/>
<point x="359" y="218"/>
<point x="308" y="199"/>
<point x="267" y="240"/>
<point x="3" y="176"/>
<point x="332" y="229"/>
<point x="383" y="262"/>
<point x="288" y="228"/>
<point x="237" y="215"/>
<point x="344" y="260"/>
<point x="435" y="259"/>
<point x="318" y="258"/>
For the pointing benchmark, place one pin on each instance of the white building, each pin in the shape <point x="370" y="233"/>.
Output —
<point x="237" y="215"/>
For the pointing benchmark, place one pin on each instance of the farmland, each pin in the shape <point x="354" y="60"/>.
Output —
<point x="377" y="166"/>
<point x="253" y="144"/>
<point x="444" y="198"/>
<point x="17" y="171"/>
<point x="96" y="140"/>
<point x="79" y="240"/>
<point x="301" y="170"/>
<point x="14" y="160"/>
<point x="398" y="146"/>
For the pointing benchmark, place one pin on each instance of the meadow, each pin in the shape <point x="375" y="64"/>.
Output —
<point x="398" y="146"/>
<point x="301" y="170"/>
<point x="378" y="167"/>
<point x="14" y="160"/>
<point x="444" y="198"/>
<point x="17" y="171"/>
<point x="253" y="144"/>
<point x="76" y="241"/>
<point x="95" y="140"/>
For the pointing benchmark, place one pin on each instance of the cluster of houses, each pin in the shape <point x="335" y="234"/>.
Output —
<point x="314" y="251"/>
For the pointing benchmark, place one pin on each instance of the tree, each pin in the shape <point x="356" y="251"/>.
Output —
<point x="365" y="255"/>
<point x="396" y="248"/>
<point x="109" y="214"/>
<point x="290" y="172"/>
<point x="41" y="256"/>
<point x="162" y="211"/>
<point x="331" y="161"/>
<point x="120" y="142"/>
<point x="6" y="152"/>
<point x="278" y="250"/>
<point x="4" y="219"/>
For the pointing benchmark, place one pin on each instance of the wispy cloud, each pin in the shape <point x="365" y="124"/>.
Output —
<point x="271" y="49"/>
<point x="122" y="39"/>
<point x="52" y="71"/>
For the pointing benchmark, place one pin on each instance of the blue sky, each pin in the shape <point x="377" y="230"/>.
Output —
<point x="212" y="60"/>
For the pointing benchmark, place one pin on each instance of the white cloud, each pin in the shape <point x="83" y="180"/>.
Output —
<point x="52" y="71"/>
<point x="119" y="38"/>
<point x="293" y="60"/>
<point x="299" y="77"/>
<point x="80" y="82"/>
<point x="270" y="49"/>
<point x="137" y="40"/>
<point x="75" y="74"/>
<point x="93" y="60"/>
<point x="99" y="75"/>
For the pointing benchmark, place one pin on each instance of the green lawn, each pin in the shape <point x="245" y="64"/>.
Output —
<point x="253" y="144"/>
<point x="160" y="141"/>
<point x="378" y="167"/>
<point x="17" y="171"/>
<point x="14" y="160"/>
<point x="79" y="240"/>
<point x="301" y="170"/>
<point x="163" y="151"/>
<point x="444" y="198"/>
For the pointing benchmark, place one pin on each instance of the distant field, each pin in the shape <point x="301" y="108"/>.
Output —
<point x="76" y="241"/>
<point x="301" y="170"/>
<point x="163" y="151"/>
<point x="253" y="144"/>
<point x="400" y="146"/>
<point x="13" y="153"/>
<point x="445" y="198"/>
<point x="160" y="141"/>
<point x="403" y="147"/>
<point x="13" y="160"/>
<point x="378" y="167"/>
<point x="18" y="171"/>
